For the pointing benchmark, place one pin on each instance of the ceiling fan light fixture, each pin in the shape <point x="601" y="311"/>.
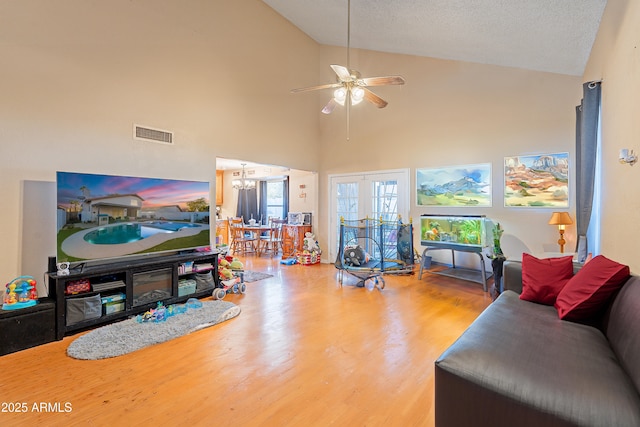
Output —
<point x="340" y="95"/>
<point x="357" y="95"/>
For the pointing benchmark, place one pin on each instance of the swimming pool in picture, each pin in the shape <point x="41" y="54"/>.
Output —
<point x="132" y="232"/>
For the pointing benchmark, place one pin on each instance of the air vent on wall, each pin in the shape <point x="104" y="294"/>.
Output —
<point x="144" y="133"/>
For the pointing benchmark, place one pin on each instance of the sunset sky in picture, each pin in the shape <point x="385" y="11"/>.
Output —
<point x="154" y="192"/>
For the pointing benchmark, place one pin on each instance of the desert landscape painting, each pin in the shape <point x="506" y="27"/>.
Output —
<point x="537" y="181"/>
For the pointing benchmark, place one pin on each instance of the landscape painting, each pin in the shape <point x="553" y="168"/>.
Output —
<point x="537" y="181"/>
<point x="466" y="185"/>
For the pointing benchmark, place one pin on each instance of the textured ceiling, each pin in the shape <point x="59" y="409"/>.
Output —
<point x="543" y="35"/>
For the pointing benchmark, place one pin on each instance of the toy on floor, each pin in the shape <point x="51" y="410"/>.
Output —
<point x="230" y="263"/>
<point x="193" y="303"/>
<point x="289" y="261"/>
<point x="234" y="285"/>
<point x="310" y="244"/>
<point x="157" y="314"/>
<point x="236" y="265"/>
<point x="162" y="313"/>
<point x="227" y="266"/>
<point x="20" y="293"/>
<point x="231" y="275"/>
<point x="311" y="251"/>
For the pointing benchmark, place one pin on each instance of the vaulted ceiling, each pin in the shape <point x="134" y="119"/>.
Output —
<point x="543" y="35"/>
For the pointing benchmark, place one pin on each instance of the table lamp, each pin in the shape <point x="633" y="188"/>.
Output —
<point x="561" y="219"/>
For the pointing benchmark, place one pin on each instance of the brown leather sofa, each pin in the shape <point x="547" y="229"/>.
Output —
<point x="518" y="364"/>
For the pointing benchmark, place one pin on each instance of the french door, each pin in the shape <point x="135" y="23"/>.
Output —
<point x="381" y="194"/>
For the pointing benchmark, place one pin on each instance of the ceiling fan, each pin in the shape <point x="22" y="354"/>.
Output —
<point x="350" y="87"/>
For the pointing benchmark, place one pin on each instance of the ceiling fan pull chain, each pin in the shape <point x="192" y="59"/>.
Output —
<point x="348" y="105"/>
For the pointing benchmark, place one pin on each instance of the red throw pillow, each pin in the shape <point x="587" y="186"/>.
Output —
<point x="543" y="279"/>
<point x="590" y="289"/>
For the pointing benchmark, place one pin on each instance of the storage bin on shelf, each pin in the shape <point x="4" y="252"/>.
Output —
<point x="204" y="281"/>
<point x="186" y="287"/>
<point x="113" y="303"/>
<point x="77" y="287"/>
<point x="83" y="308"/>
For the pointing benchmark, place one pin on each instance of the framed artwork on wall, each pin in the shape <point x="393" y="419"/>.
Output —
<point x="465" y="185"/>
<point x="537" y="181"/>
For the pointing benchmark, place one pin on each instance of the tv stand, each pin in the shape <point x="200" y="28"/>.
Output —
<point x="129" y="287"/>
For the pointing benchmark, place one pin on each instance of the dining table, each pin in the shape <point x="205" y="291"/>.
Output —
<point x="257" y="230"/>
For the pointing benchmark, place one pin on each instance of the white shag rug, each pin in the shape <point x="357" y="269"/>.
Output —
<point x="124" y="337"/>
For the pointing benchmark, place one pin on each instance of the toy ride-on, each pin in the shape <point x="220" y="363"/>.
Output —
<point x="234" y="285"/>
<point x="231" y="275"/>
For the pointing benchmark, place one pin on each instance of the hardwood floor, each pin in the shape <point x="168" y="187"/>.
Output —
<point x="304" y="351"/>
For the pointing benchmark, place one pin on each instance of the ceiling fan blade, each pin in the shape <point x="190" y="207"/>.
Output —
<point x="328" y="109"/>
<point x="374" y="99"/>
<point x="318" y="87"/>
<point x="343" y="73"/>
<point x="381" y="81"/>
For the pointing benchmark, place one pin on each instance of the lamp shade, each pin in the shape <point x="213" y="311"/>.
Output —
<point x="560" y="218"/>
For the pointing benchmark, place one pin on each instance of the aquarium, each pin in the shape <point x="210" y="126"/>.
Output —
<point x="456" y="230"/>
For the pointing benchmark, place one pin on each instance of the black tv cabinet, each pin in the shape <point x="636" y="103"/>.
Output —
<point x="118" y="278"/>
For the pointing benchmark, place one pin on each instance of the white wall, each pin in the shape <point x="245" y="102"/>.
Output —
<point x="456" y="113"/>
<point x="304" y="199"/>
<point x="76" y="76"/>
<point x="615" y="59"/>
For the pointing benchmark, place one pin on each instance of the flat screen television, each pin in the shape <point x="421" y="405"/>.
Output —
<point x="105" y="217"/>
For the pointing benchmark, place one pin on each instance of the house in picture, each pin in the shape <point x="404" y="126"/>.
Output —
<point x="122" y="206"/>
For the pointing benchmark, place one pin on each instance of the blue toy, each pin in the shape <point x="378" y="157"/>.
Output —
<point x="20" y="293"/>
<point x="162" y="313"/>
<point x="289" y="261"/>
<point x="194" y="303"/>
<point x="158" y="314"/>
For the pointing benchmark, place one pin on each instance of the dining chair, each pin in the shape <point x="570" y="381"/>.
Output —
<point x="272" y="242"/>
<point x="241" y="241"/>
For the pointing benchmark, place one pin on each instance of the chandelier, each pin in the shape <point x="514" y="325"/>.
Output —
<point x="243" y="183"/>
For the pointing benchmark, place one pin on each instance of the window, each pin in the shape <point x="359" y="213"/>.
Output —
<point x="384" y="200"/>
<point x="274" y="199"/>
<point x="381" y="194"/>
